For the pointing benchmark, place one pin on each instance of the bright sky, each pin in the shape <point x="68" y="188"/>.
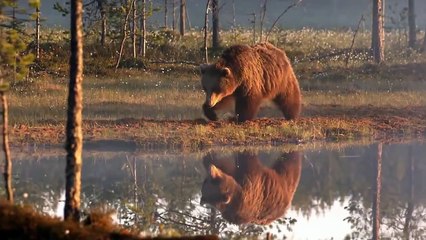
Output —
<point x="325" y="225"/>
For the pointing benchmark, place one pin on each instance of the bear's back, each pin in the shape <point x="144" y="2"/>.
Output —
<point x="261" y="69"/>
<point x="266" y="193"/>
<point x="265" y="196"/>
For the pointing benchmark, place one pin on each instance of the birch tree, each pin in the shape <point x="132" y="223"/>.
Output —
<point x="378" y="34"/>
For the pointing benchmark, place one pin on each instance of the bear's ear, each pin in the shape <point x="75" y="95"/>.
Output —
<point x="203" y="68"/>
<point x="215" y="172"/>
<point x="226" y="71"/>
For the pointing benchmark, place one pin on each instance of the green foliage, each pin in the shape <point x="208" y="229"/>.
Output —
<point x="4" y="87"/>
<point x="61" y="9"/>
<point x="6" y="3"/>
<point x="34" y="3"/>
<point x="14" y="59"/>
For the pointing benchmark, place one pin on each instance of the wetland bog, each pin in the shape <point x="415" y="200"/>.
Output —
<point x="157" y="192"/>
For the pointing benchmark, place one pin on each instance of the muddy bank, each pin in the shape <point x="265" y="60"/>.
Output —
<point x="326" y="124"/>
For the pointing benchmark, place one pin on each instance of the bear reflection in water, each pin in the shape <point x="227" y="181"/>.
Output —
<point x="246" y="191"/>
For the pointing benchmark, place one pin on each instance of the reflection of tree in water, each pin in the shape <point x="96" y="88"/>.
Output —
<point x="402" y="212"/>
<point x="42" y="191"/>
<point x="407" y="220"/>
<point x="168" y="189"/>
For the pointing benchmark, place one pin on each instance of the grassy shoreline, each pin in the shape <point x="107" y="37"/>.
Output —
<point x="198" y="134"/>
<point x="155" y="110"/>
<point x="160" y="106"/>
<point x="159" y="111"/>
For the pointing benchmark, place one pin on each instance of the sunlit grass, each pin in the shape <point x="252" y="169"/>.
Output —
<point x="159" y="96"/>
<point x="398" y="99"/>
<point x="334" y="93"/>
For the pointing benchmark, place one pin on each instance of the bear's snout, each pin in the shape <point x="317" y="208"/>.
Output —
<point x="212" y="99"/>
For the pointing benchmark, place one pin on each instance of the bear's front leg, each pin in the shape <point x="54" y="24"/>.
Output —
<point x="246" y="108"/>
<point x="209" y="112"/>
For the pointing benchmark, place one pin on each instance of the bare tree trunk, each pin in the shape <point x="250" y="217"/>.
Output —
<point x="174" y="15"/>
<point x="123" y="40"/>
<point x="182" y="17"/>
<point x="377" y="192"/>
<point x="410" y="205"/>
<point x="206" y="19"/>
<point x="213" y="221"/>
<point x="411" y="24"/>
<point x="254" y="27"/>
<point x="262" y="18"/>
<point x="215" y="24"/>
<point x="104" y="28"/>
<point x="378" y="34"/>
<point x="134" y="28"/>
<point x="165" y="14"/>
<point x="37" y="40"/>
<point x="135" y="188"/>
<point x="234" y="21"/>
<point x="142" y="38"/>
<point x="74" y="133"/>
<point x="101" y="4"/>
<point x="424" y="43"/>
<point x="14" y="25"/>
<point x="8" y="160"/>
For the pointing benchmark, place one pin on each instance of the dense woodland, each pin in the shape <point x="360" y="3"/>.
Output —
<point x="117" y="32"/>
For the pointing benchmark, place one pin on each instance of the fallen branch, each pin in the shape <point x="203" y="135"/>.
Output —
<point x="353" y="40"/>
<point x="282" y="14"/>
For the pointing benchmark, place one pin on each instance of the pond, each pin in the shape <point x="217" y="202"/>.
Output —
<point x="333" y="199"/>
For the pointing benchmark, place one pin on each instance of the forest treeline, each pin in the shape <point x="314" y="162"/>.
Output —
<point x="117" y="33"/>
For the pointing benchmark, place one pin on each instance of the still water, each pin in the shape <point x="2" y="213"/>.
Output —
<point x="333" y="190"/>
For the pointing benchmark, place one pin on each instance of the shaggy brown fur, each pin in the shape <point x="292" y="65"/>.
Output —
<point x="249" y="74"/>
<point x="245" y="191"/>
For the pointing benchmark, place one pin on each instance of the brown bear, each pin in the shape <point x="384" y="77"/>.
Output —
<point x="247" y="75"/>
<point x="245" y="191"/>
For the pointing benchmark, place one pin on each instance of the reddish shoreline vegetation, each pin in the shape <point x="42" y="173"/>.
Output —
<point x="22" y="222"/>
<point x="161" y="106"/>
<point x="385" y="124"/>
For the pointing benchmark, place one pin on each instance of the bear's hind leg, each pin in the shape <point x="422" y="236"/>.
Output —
<point x="246" y="108"/>
<point x="290" y="105"/>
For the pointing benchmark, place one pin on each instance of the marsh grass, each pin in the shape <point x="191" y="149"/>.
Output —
<point x="168" y="88"/>
<point x="167" y="97"/>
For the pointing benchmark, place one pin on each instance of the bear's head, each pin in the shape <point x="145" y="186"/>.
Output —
<point x="217" y="82"/>
<point x="218" y="188"/>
